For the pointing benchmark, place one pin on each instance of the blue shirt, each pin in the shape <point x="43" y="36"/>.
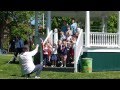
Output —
<point x="74" y="28"/>
<point x="64" y="29"/>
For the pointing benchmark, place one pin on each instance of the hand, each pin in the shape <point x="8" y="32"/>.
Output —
<point x="37" y="45"/>
<point x="41" y="39"/>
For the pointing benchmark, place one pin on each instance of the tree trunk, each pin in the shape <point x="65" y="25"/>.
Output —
<point x="1" y="38"/>
<point x="1" y="34"/>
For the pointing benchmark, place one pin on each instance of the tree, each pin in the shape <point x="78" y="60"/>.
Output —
<point x="112" y="24"/>
<point x="57" y="22"/>
<point x="15" y="23"/>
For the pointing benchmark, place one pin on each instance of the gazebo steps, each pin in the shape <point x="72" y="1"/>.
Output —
<point x="59" y="69"/>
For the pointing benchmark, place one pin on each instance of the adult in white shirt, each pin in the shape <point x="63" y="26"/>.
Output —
<point x="26" y="62"/>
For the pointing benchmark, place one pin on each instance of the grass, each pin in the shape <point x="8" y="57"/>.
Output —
<point x="13" y="71"/>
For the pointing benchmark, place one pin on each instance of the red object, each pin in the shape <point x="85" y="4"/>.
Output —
<point x="72" y="52"/>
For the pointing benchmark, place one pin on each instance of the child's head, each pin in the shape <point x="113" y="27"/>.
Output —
<point x="68" y="33"/>
<point x="64" y="22"/>
<point x="59" y="42"/>
<point x="64" y="42"/>
<point x="68" y="27"/>
<point x="61" y="33"/>
<point x="54" y="45"/>
<point x="73" y="20"/>
<point x="77" y="34"/>
<point x="45" y="44"/>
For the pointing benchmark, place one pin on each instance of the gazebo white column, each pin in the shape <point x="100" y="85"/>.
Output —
<point x="43" y="20"/>
<point x="36" y="27"/>
<point x="119" y="27"/>
<point x="48" y="21"/>
<point x="87" y="29"/>
<point x="55" y="36"/>
<point x="103" y="24"/>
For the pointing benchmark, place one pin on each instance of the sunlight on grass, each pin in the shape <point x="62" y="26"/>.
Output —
<point x="13" y="71"/>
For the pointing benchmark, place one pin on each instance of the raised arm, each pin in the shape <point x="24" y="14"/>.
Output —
<point x="35" y="50"/>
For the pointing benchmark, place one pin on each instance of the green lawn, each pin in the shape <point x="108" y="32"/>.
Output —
<point x="13" y="71"/>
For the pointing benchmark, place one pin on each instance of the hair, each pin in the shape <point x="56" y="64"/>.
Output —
<point x="68" y="26"/>
<point x="25" y="48"/>
<point x="64" y="21"/>
<point x="73" y="19"/>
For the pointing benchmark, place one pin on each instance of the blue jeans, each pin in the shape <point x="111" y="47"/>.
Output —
<point x="38" y="68"/>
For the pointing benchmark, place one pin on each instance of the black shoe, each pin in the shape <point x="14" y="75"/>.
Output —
<point x="12" y="62"/>
<point x="27" y="75"/>
<point x="22" y="75"/>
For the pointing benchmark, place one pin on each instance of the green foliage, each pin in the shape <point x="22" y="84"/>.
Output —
<point x="6" y="43"/>
<point x="57" y="22"/>
<point x="54" y="23"/>
<point x="22" y="27"/>
<point x="95" y="25"/>
<point x="17" y="23"/>
<point x="112" y="23"/>
<point x="22" y="30"/>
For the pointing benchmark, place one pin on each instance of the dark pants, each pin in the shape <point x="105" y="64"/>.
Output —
<point x="18" y="50"/>
<point x="45" y="58"/>
<point x="38" y="68"/>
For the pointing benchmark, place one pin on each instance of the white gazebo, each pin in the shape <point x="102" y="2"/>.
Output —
<point x="94" y="41"/>
<point x="87" y="15"/>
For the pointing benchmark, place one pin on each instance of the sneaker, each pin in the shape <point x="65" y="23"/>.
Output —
<point x="61" y="66"/>
<point x="37" y="77"/>
<point x="12" y="62"/>
<point x="65" y="66"/>
<point x="52" y="65"/>
<point x="26" y="78"/>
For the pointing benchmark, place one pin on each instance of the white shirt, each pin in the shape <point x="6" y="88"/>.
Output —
<point x="26" y="61"/>
<point x="69" y="38"/>
<point x="54" y="51"/>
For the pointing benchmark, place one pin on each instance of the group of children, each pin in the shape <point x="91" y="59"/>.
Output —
<point x="63" y="51"/>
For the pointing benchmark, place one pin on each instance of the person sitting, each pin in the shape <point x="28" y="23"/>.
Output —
<point x="26" y="62"/>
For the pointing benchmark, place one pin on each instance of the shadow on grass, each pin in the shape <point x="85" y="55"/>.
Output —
<point x="13" y="75"/>
<point x="59" y="69"/>
<point x="16" y="62"/>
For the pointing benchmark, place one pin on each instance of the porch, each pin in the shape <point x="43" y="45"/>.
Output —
<point x="100" y="39"/>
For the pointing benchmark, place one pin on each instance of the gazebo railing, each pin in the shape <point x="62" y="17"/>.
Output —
<point x="100" y="39"/>
<point x="78" y="49"/>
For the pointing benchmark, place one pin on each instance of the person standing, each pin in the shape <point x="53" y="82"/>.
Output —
<point x="54" y="55"/>
<point x="64" y="27"/>
<point x="19" y="43"/>
<point x="74" y="26"/>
